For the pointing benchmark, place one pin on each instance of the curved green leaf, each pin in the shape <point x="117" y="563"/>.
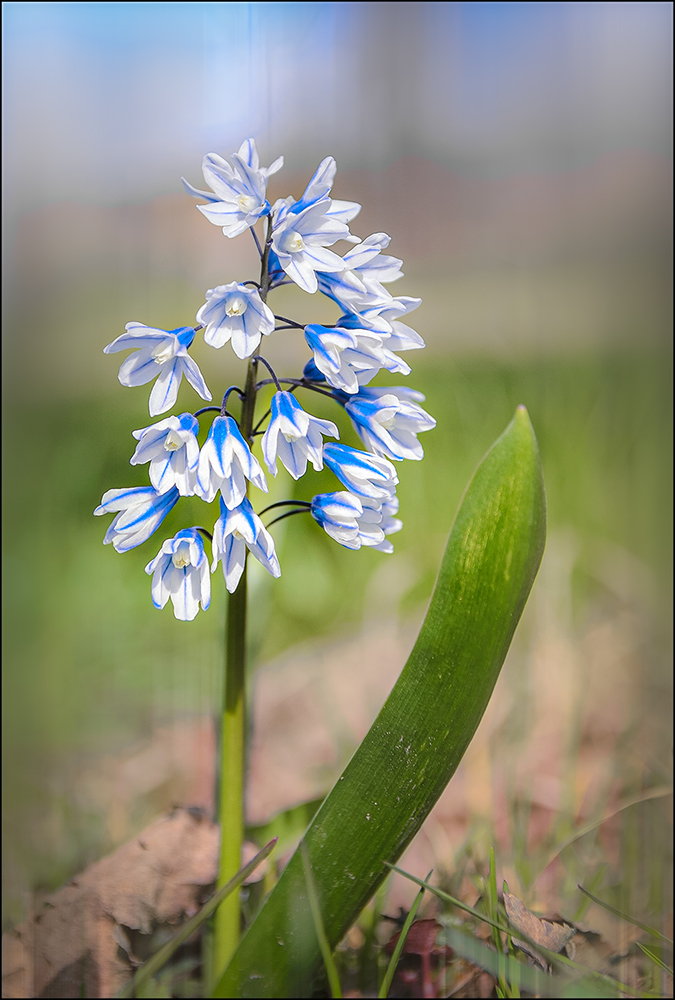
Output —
<point x="414" y="746"/>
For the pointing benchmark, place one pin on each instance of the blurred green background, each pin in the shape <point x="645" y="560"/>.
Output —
<point x="518" y="154"/>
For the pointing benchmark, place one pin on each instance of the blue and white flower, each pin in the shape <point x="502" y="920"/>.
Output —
<point x="303" y="230"/>
<point x="294" y="436"/>
<point x="388" y="421"/>
<point x="235" y="531"/>
<point x="237" y="313"/>
<point x="352" y="521"/>
<point x="359" y="285"/>
<point x="312" y="374"/>
<point x="141" y="511"/>
<point x="363" y="474"/>
<point x="180" y="571"/>
<point x="172" y="449"/>
<point x="350" y="358"/>
<point x="161" y="354"/>
<point x="386" y="320"/>
<point x="225" y="463"/>
<point x="389" y="524"/>
<point x="239" y="191"/>
<point x="318" y="189"/>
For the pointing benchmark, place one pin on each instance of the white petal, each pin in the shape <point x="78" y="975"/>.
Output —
<point x="165" y="390"/>
<point x="195" y="377"/>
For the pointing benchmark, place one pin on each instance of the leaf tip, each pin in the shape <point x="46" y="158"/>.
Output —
<point x="522" y="418"/>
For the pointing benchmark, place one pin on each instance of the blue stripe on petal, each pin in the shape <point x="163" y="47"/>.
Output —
<point x="138" y="369"/>
<point x="165" y="390"/>
<point x="195" y="377"/>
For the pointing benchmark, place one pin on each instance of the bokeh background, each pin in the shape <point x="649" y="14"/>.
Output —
<point x="519" y="154"/>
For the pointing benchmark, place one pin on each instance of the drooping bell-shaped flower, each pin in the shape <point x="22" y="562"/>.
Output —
<point x="363" y="474"/>
<point x="236" y="313"/>
<point x="141" y="511"/>
<point x="160" y="354"/>
<point x="389" y="419"/>
<point x="239" y="189"/>
<point x="180" y="571"/>
<point x="389" y="524"/>
<point x="386" y="320"/>
<point x="235" y="531"/>
<point x="358" y="285"/>
<point x="225" y="463"/>
<point x="352" y="521"/>
<point x="350" y="358"/>
<point x="172" y="449"/>
<point x="294" y="436"/>
<point x="303" y="230"/>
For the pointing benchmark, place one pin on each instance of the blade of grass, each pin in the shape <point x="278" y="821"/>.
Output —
<point x="450" y="899"/>
<point x="655" y="958"/>
<point x="393" y="962"/>
<point x="624" y="916"/>
<point x="493" y="908"/>
<point x="328" y="961"/>
<point x="515" y="984"/>
<point x="595" y="882"/>
<point x="154" y="964"/>
<point x="652" y="793"/>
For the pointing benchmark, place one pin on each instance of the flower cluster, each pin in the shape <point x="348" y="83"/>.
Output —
<point x="364" y="340"/>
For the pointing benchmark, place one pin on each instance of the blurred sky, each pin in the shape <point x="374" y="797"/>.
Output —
<point x="490" y="140"/>
<point x="111" y="102"/>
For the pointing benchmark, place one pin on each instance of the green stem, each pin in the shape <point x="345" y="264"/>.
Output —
<point x="232" y="765"/>
<point x="227" y="922"/>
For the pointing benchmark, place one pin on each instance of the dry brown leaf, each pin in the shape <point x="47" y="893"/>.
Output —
<point x="550" y="935"/>
<point x="77" y="939"/>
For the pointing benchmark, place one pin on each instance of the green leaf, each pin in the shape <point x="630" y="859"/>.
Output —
<point x="414" y="746"/>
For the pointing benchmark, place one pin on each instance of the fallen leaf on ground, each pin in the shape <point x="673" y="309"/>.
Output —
<point x="78" y="938"/>
<point x="548" y="934"/>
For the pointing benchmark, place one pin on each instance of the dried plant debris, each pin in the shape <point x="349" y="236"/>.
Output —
<point x="470" y="981"/>
<point x="422" y="965"/>
<point x="553" y="935"/>
<point x="87" y="937"/>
